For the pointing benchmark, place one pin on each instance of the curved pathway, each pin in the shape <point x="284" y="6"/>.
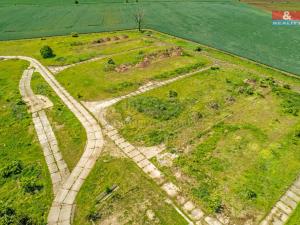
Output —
<point x="57" y="167"/>
<point x="62" y="208"/>
<point x="98" y="109"/>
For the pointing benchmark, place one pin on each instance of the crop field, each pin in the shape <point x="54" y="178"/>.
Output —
<point x="25" y="185"/>
<point x="231" y="26"/>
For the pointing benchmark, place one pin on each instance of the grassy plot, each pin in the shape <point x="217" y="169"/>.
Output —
<point x="25" y="185"/>
<point x="68" y="49"/>
<point x="99" y="79"/>
<point x="136" y="196"/>
<point x="69" y="132"/>
<point x="236" y="135"/>
<point x="295" y="218"/>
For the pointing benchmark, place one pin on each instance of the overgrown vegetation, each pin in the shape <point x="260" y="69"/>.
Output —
<point x="25" y="185"/>
<point x="68" y="130"/>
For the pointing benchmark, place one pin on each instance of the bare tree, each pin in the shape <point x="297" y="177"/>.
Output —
<point x="139" y="18"/>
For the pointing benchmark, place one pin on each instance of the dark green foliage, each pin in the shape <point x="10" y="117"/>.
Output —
<point x="111" y="61"/>
<point x="173" y="94"/>
<point x="74" y="34"/>
<point x="30" y="185"/>
<point x="214" y="68"/>
<point x="157" y="108"/>
<point x="156" y="137"/>
<point x="13" y="168"/>
<point x="94" y="215"/>
<point x="179" y="71"/>
<point x="198" y="49"/>
<point x="46" y="52"/>
<point x="76" y="2"/>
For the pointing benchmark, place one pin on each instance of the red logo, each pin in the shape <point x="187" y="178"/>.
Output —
<point x="286" y="15"/>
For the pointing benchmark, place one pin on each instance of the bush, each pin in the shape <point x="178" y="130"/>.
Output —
<point x="173" y="94"/>
<point x="111" y="61"/>
<point x="76" y="2"/>
<point x="30" y="185"/>
<point x="157" y="108"/>
<point x="198" y="49"/>
<point x="94" y="215"/>
<point x="74" y="34"/>
<point x="214" y="68"/>
<point x="7" y="214"/>
<point x="109" y="67"/>
<point x="287" y="86"/>
<point x="46" y="52"/>
<point x="156" y="137"/>
<point x="15" y="167"/>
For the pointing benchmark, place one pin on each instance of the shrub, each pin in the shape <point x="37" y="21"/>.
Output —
<point x="214" y="68"/>
<point x="94" y="215"/>
<point x="111" y="61"/>
<point x="74" y="34"/>
<point x="119" y="87"/>
<point x="198" y="49"/>
<point x="157" y="108"/>
<point x="173" y="94"/>
<point x="15" y="167"/>
<point x="7" y="214"/>
<point x="46" y="52"/>
<point x="287" y="86"/>
<point x="109" y="67"/>
<point x="30" y="185"/>
<point x="76" y="2"/>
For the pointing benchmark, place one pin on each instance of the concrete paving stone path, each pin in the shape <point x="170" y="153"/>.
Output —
<point x="62" y="208"/>
<point x="285" y="207"/>
<point x="174" y="192"/>
<point x="57" y="167"/>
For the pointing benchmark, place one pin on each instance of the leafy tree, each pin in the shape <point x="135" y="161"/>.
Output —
<point x="46" y="52"/>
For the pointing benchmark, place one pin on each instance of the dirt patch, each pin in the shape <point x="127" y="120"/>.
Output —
<point x="109" y="39"/>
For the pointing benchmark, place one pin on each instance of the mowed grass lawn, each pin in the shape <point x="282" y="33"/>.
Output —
<point x="68" y="49"/>
<point x="90" y="81"/>
<point x="25" y="185"/>
<point x="68" y="130"/>
<point x="236" y="134"/>
<point x="136" y="194"/>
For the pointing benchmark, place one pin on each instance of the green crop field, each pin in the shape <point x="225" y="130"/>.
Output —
<point x="228" y="25"/>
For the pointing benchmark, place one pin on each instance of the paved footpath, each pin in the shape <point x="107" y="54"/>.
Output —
<point x="284" y="208"/>
<point x="57" y="167"/>
<point x="174" y="192"/>
<point x="62" y="208"/>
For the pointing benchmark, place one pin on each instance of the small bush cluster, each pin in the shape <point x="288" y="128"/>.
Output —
<point x="46" y="52"/>
<point x="179" y="71"/>
<point x="110" y="65"/>
<point x="9" y="216"/>
<point x="74" y="34"/>
<point x="30" y="185"/>
<point x="157" y="108"/>
<point x="13" y="168"/>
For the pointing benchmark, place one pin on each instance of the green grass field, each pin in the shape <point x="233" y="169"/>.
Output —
<point x="90" y="82"/>
<point x="129" y="204"/>
<point x="227" y="25"/>
<point x="237" y="144"/>
<point x="68" y="130"/>
<point x="25" y="184"/>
